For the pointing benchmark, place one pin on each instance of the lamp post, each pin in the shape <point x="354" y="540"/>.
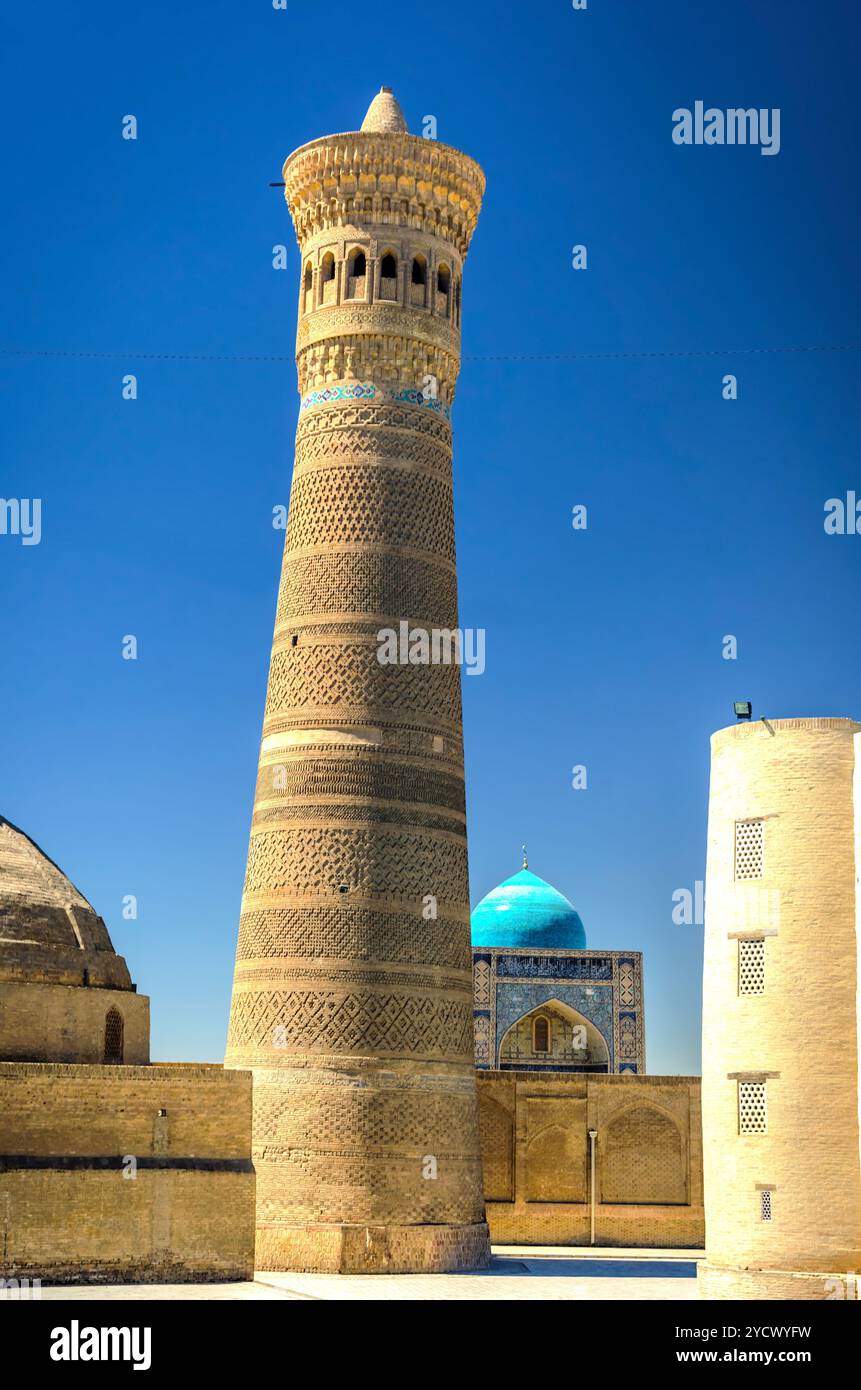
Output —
<point x="593" y="1135"/>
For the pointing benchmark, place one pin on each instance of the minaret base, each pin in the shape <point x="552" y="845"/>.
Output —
<point x="342" y="1249"/>
<point x="732" y="1282"/>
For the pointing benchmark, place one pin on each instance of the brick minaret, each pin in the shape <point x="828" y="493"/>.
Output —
<point x="352" y="994"/>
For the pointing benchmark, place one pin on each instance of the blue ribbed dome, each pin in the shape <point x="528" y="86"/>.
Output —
<point x="524" y="911"/>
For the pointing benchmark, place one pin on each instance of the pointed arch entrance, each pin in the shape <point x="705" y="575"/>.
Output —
<point x="553" y="1036"/>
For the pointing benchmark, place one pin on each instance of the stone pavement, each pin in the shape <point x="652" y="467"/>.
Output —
<point x="531" y="1273"/>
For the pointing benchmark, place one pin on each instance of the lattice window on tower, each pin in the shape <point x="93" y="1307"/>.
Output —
<point x="751" y="966"/>
<point x="749" y="835"/>
<point x="113" y="1036"/>
<point x="752" y="1111"/>
<point x="765" y="1205"/>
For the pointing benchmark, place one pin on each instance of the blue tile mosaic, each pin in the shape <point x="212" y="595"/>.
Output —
<point x="555" y="967"/>
<point x="515" y="1000"/>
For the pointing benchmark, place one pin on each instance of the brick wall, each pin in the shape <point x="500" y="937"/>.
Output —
<point x="536" y="1159"/>
<point x="53" y="1022"/>
<point x="68" y="1136"/>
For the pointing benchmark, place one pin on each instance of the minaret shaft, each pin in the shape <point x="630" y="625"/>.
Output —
<point x="352" y="997"/>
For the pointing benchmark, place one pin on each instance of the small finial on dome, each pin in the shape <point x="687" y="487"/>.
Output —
<point x="385" y="116"/>
<point x="525" y="860"/>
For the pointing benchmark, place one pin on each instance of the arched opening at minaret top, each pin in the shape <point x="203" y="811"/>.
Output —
<point x="418" y="282"/>
<point x="327" y="279"/>
<point x="443" y="286"/>
<point x="356" y="270"/>
<point x="389" y="276"/>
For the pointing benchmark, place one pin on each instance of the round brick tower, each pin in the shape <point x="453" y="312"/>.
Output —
<point x="780" y="1020"/>
<point x="352" y="998"/>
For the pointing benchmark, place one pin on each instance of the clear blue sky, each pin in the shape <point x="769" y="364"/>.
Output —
<point x="603" y="648"/>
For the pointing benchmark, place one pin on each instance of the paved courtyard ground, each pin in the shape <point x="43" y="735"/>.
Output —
<point x="517" y="1273"/>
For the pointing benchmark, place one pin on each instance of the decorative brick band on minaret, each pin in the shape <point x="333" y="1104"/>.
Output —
<point x="352" y="999"/>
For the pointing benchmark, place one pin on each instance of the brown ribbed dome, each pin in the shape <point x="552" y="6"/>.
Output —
<point x="49" y="933"/>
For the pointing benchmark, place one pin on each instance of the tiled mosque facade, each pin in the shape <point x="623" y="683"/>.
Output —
<point x="560" y="1011"/>
<point x="578" y="1145"/>
<point x="544" y="1003"/>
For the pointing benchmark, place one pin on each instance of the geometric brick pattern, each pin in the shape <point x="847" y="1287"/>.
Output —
<point x="497" y="1150"/>
<point x="359" y="776"/>
<point x="481" y="1028"/>
<point x="287" y="1021"/>
<point x="360" y="430"/>
<point x="318" y="448"/>
<point x="377" y="582"/>
<point x="305" y="812"/>
<point x="319" y="859"/>
<point x="481" y="984"/>
<point x="555" y="1157"/>
<point x="383" y="1120"/>
<point x="628" y="1041"/>
<point x="643" y="1159"/>
<point x="627" y="985"/>
<point x="353" y="934"/>
<point x="371" y="506"/>
<point x="322" y="676"/>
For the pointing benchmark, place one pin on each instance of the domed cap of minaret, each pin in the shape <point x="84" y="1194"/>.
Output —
<point x="49" y="933"/>
<point x="385" y="116"/>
